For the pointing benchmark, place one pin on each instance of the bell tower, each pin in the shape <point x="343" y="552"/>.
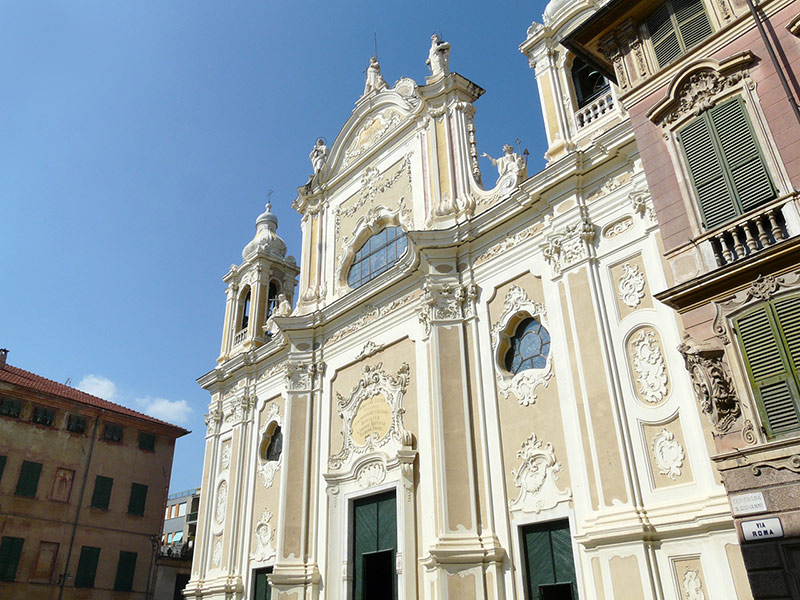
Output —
<point x="259" y="288"/>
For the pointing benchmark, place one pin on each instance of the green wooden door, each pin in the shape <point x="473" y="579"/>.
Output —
<point x="375" y="542"/>
<point x="549" y="562"/>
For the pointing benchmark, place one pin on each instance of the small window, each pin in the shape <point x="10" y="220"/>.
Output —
<point x="138" y="499"/>
<point x="147" y="442"/>
<point x="10" y="551"/>
<point x="272" y="297"/>
<point x="725" y="163"/>
<point x="101" y="497"/>
<point x="245" y="311"/>
<point x="589" y="82"/>
<point x="377" y="255"/>
<point x="28" y="481"/>
<point x="261" y="587"/>
<point x="178" y="537"/>
<point x="529" y="347"/>
<point x="87" y="567"/>
<point x="126" y="567"/>
<point x="675" y="27"/>
<point x="182" y="509"/>
<point x="43" y="415"/>
<point x="10" y="407"/>
<point x="112" y="433"/>
<point x="769" y="336"/>
<point x="76" y="423"/>
<point x="272" y="444"/>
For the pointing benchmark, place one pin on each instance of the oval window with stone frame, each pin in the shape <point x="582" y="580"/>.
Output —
<point x="528" y="347"/>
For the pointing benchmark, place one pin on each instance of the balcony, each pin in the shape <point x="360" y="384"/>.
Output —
<point x="177" y="551"/>
<point x="749" y="235"/>
<point x="598" y="107"/>
<point x="239" y="337"/>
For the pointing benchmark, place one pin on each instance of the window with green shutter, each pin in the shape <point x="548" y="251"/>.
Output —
<point x="101" y="496"/>
<point x="147" y="442"/>
<point x="10" y="551"/>
<point x="727" y="168"/>
<point x="769" y="336"/>
<point x="261" y="588"/>
<point x="549" y="564"/>
<point x="2" y="466"/>
<point x="138" y="499"/>
<point x="126" y="566"/>
<point x="675" y="27"/>
<point x="374" y="547"/>
<point x="87" y="567"/>
<point x="28" y="481"/>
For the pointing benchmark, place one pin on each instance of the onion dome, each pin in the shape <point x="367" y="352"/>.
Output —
<point x="266" y="239"/>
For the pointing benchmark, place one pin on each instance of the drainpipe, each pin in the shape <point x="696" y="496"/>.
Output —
<point x="63" y="577"/>
<point x="787" y="90"/>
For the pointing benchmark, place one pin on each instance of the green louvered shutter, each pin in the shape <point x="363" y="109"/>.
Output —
<point x="28" y="481"/>
<point x="663" y="35"/>
<point x="101" y="496"/>
<point x="138" y="499"/>
<point x="87" y="567"/>
<point x="126" y="567"/>
<point x="744" y="163"/>
<point x="788" y="311"/>
<point x="262" y="587"/>
<point x="705" y="163"/>
<point x="769" y="370"/>
<point x="10" y="551"/>
<point x="2" y="466"/>
<point x="693" y="23"/>
<point x="548" y="559"/>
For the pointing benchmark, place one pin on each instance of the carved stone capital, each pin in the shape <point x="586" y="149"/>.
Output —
<point x="446" y="302"/>
<point x="569" y="246"/>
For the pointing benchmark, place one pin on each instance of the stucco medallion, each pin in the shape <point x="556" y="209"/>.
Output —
<point x="668" y="454"/>
<point x="537" y="477"/>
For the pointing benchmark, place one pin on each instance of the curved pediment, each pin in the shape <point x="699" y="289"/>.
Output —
<point x="374" y="121"/>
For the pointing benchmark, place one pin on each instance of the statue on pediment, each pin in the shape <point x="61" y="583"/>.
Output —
<point x="318" y="155"/>
<point x="375" y="81"/>
<point x="438" y="56"/>
<point x="509" y="162"/>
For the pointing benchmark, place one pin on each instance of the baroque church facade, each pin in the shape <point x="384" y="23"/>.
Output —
<point x="476" y="393"/>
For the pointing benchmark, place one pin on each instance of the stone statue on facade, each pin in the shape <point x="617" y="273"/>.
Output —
<point x="510" y="162"/>
<point x="283" y="308"/>
<point x="375" y="81"/>
<point x="438" y="56"/>
<point x="318" y="155"/>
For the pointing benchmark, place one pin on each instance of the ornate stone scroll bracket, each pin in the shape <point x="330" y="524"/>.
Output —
<point x="792" y="463"/>
<point x="569" y="246"/>
<point x="265" y="535"/>
<point x="642" y="205"/>
<point x="537" y="478"/>
<point x="713" y="386"/>
<point x="372" y="415"/>
<point x="446" y="302"/>
<point x="213" y="420"/>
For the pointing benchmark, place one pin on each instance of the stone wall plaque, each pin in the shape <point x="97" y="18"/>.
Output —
<point x="372" y="420"/>
<point x="748" y="504"/>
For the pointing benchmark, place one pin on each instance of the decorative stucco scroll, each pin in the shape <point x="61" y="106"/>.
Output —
<point x="668" y="454"/>
<point x="216" y="554"/>
<point x="713" y="386"/>
<point x="648" y="365"/>
<point x="517" y="306"/>
<point x="222" y="502"/>
<point x="537" y="477"/>
<point x="692" y="586"/>
<point x="569" y="246"/>
<point x="370" y="133"/>
<point x="631" y="285"/>
<point x="371" y="474"/>
<point x="265" y="535"/>
<point x="372" y="413"/>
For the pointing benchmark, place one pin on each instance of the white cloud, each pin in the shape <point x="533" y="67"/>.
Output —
<point x="97" y="385"/>
<point x="173" y="411"/>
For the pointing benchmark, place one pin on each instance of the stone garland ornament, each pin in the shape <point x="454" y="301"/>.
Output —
<point x="537" y="478"/>
<point x="522" y="385"/>
<point x="372" y="414"/>
<point x="652" y="381"/>
<point x="265" y="533"/>
<point x="631" y="285"/>
<point x="668" y="454"/>
<point x="712" y="385"/>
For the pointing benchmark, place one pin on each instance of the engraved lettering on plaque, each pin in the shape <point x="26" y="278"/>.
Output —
<point x="372" y="420"/>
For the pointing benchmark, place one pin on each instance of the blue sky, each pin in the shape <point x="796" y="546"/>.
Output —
<point x="139" y="140"/>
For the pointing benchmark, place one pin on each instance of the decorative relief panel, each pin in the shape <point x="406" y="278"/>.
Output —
<point x="631" y="285"/>
<point x="569" y="246"/>
<point x="371" y="474"/>
<point x="371" y="132"/>
<point x="225" y="455"/>
<point x="632" y="290"/>
<point x="371" y="313"/>
<point x="508" y="243"/>
<point x="651" y="379"/>
<point x="537" y="477"/>
<point x="517" y="306"/>
<point x="688" y="573"/>
<point x="372" y="414"/>
<point x="617" y="227"/>
<point x="222" y="502"/>
<point x="265" y="536"/>
<point x="668" y="454"/>
<point x="216" y="553"/>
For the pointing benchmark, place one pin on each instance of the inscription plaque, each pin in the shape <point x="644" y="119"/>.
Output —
<point x="372" y="420"/>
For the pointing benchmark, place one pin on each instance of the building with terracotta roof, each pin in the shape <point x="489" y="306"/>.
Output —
<point x="83" y="489"/>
